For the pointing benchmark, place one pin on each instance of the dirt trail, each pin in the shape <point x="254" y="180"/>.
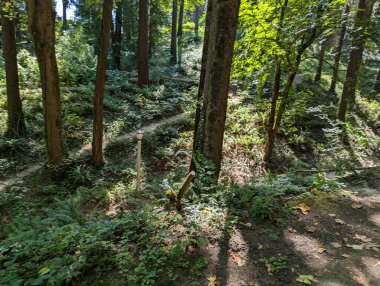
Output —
<point x="337" y="242"/>
<point x="87" y="148"/>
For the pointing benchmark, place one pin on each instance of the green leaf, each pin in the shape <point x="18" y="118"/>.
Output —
<point x="43" y="271"/>
<point x="306" y="279"/>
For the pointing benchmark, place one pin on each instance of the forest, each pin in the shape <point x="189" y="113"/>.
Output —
<point x="190" y="142"/>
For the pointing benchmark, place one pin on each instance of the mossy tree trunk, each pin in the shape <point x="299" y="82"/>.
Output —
<point x="16" y="124"/>
<point x="41" y="22"/>
<point x="180" y="30"/>
<point x="117" y="36"/>
<point x="217" y="79"/>
<point x="338" y="53"/>
<point x="97" y="139"/>
<point x="321" y="58"/>
<point x="173" y="40"/>
<point x="358" y="42"/>
<point x="143" y="42"/>
<point x="196" y="23"/>
<point x="199" y="104"/>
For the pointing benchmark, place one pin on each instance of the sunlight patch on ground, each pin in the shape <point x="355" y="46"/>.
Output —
<point x="375" y="219"/>
<point x="309" y="249"/>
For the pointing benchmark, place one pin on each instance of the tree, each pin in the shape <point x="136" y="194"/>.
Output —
<point x="97" y="140"/>
<point x="338" y="51"/>
<point x="64" y="14"/>
<point x="143" y="42"/>
<point x="180" y="30"/>
<point x="196" y="23"/>
<point x="42" y="26"/>
<point x="16" y="124"/>
<point x="173" y="40"/>
<point x="321" y="59"/>
<point x="197" y="137"/>
<point x="376" y="86"/>
<point x="219" y="58"/>
<point x="358" y="41"/>
<point x="117" y="35"/>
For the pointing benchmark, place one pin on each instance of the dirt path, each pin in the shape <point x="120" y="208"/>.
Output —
<point x="337" y="242"/>
<point x="87" y="148"/>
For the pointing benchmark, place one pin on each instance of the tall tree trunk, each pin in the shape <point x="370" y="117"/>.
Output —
<point x="321" y="58"/>
<point x="356" y="54"/>
<point x="376" y="86"/>
<point x="338" y="53"/>
<point x="224" y="22"/>
<point x="97" y="140"/>
<point x="180" y="30"/>
<point x="199" y="107"/>
<point x="270" y="124"/>
<point x="16" y="124"/>
<point x="117" y="36"/>
<point x="151" y="27"/>
<point x="143" y="50"/>
<point x="270" y="128"/>
<point x="173" y="41"/>
<point x="42" y="26"/>
<point x="64" y="14"/>
<point x="196" y="22"/>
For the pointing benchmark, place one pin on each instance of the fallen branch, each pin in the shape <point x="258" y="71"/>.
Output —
<point x="175" y="197"/>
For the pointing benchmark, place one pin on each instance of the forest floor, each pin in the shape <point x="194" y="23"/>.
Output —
<point x="335" y="238"/>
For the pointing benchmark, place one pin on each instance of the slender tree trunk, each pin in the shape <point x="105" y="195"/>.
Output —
<point x="356" y="54"/>
<point x="270" y="124"/>
<point x="173" y="42"/>
<point x="321" y="58"/>
<point x="117" y="36"/>
<point x="97" y="140"/>
<point x="376" y="86"/>
<point x="143" y="50"/>
<point x="338" y="53"/>
<point x="270" y="128"/>
<point x="199" y="108"/>
<point x="16" y="124"/>
<point x="196" y="22"/>
<point x="180" y="31"/>
<point x="64" y="14"/>
<point x="42" y="26"/>
<point x="224" y="22"/>
<point x="151" y="27"/>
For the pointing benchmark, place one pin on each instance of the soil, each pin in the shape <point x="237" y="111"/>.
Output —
<point x="337" y="241"/>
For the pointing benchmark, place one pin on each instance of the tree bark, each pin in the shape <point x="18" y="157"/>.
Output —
<point x="97" y="140"/>
<point x="196" y="22"/>
<point x="356" y="54"/>
<point x="224" y="22"/>
<point x="338" y="53"/>
<point x="16" y="124"/>
<point x="180" y="30"/>
<point x="41" y="22"/>
<point x="143" y="50"/>
<point x="199" y="107"/>
<point x="173" y="42"/>
<point x="64" y="14"/>
<point x="117" y="36"/>
<point x="321" y="58"/>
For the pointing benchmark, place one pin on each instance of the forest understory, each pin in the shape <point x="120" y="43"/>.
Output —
<point x="307" y="212"/>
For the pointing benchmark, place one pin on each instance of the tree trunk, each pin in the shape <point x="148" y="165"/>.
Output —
<point x="64" y="14"/>
<point x="16" y="124"/>
<point x="338" y="53"/>
<point x="356" y="54"/>
<point x="270" y="128"/>
<point x="199" y="108"/>
<point x="97" y="140"/>
<point x="321" y="59"/>
<point x="180" y="31"/>
<point x="376" y="86"/>
<point x="42" y="26"/>
<point x="173" y="42"/>
<point x="117" y="36"/>
<point x="224" y="22"/>
<point x="143" y="50"/>
<point x="196" y="22"/>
